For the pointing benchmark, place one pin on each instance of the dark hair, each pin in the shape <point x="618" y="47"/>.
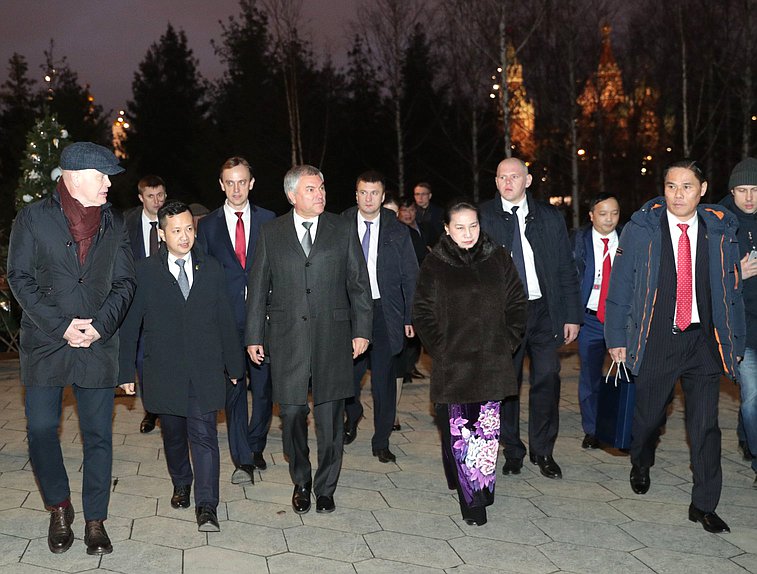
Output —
<point x="691" y="164"/>
<point x="600" y="197"/>
<point x="371" y="176"/>
<point x="390" y="197"/>
<point x="425" y="184"/>
<point x="150" y="181"/>
<point x="169" y="209"/>
<point x="407" y="202"/>
<point x="459" y="204"/>
<point x="233" y="162"/>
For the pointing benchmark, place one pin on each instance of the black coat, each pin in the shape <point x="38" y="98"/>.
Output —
<point x="194" y="340"/>
<point x="470" y="314"/>
<point x="53" y="288"/>
<point x="396" y="273"/>
<point x="305" y="311"/>
<point x="553" y="257"/>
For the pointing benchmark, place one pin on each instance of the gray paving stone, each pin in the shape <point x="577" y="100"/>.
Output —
<point x="666" y="561"/>
<point x="365" y="479"/>
<point x="249" y="538"/>
<point x="75" y="560"/>
<point x="417" y="550"/>
<point x="657" y="492"/>
<point x="571" y="508"/>
<point x="134" y="557"/>
<point x="510" y="506"/>
<point x="211" y="559"/>
<point x="26" y="569"/>
<point x="168" y="532"/>
<point x="12" y="549"/>
<point x="135" y="453"/>
<point x="686" y="539"/>
<point x="25" y="523"/>
<point x="10" y="498"/>
<point x="495" y="554"/>
<point x="643" y="510"/>
<point x="131" y="506"/>
<point x="263" y="513"/>
<point x="573" y="489"/>
<point x="744" y="496"/>
<point x="326" y="543"/>
<point x="271" y="492"/>
<point x="357" y="498"/>
<point x="747" y="561"/>
<point x="364" y="460"/>
<point x="291" y="563"/>
<point x="10" y="462"/>
<point x="344" y="519"/>
<point x="586" y="560"/>
<point x="145" y="486"/>
<point x="420" y="481"/>
<point x="593" y="534"/>
<point x="18" y="480"/>
<point x="516" y="486"/>
<point x="471" y="569"/>
<point x="500" y="526"/>
<point x="378" y="566"/>
<point x="421" y="501"/>
<point x="744" y="538"/>
<point x="411" y="522"/>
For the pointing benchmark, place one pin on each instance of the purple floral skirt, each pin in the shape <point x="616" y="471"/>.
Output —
<point x="470" y="444"/>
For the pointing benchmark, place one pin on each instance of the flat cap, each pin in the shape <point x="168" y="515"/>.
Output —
<point x="88" y="155"/>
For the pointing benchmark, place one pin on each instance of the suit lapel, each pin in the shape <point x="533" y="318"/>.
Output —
<point x="289" y="234"/>
<point x="222" y="235"/>
<point x="323" y="232"/>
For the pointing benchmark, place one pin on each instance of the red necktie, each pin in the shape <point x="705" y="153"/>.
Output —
<point x="606" y="267"/>
<point x="683" y="287"/>
<point x="240" y="245"/>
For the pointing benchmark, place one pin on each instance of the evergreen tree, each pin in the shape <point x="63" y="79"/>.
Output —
<point x="41" y="171"/>
<point x="169" y="130"/>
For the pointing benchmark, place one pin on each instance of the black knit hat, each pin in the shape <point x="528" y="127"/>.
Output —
<point x="745" y="173"/>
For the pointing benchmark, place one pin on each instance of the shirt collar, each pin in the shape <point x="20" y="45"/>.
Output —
<point x="172" y="259"/>
<point x="522" y="205"/>
<point x="231" y="211"/>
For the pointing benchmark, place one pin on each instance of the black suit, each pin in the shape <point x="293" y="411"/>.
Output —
<point x="396" y="273"/>
<point x="192" y="345"/>
<point x="305" y="311"/>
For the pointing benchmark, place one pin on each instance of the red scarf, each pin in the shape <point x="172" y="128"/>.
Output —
<point x="82" y="221"/>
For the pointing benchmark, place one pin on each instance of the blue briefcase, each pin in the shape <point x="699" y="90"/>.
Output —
<point x="617" y="397"/>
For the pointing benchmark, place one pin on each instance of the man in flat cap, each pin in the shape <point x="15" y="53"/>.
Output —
<point x="70" y="267"/>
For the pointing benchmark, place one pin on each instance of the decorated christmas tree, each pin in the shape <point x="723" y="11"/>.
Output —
<point x="40" y="167"/>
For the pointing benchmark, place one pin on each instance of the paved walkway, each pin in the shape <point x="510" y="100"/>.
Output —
<point x="390" y="518"/>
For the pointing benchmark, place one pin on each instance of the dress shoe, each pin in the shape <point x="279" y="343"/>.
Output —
<point x="324" y="504"/>
<point x="207" y="519"/>
<point x="350" y="432"/>
<point x="301" y="498"/>
<point x="407" y="379"/>
<point x="384" y="455"/>
<point x="474" y="522"/>
<point x="397" y="427"/>
<point x="710" y="521"/>
<point x="512" y="466"/>
<point x="547" y="466"/>
<point x="244" y="474"/>
<point x="148" y="423"/>
<point x="258" y="461"/>
<point x="416" y="374"/>
<point x="180" y="498"/>
<point x="96" y="538"/>
<point x="639" y="479"/>
<point x="59" y="534"/>
<point x="744" y="448"/>
<point x="590" y="441"/>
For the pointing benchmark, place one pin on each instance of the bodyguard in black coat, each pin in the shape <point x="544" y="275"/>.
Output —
<point x="71" y="270"/>
<point x="191" y="344"/>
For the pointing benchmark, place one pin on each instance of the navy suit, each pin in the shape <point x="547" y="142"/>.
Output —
<point x="244" y="437"/>
<point x="397" y="273"/>
<point x="591" y="339"/>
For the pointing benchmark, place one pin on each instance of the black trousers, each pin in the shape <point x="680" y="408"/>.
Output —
<point x="544" y="393"/>
<point x="686" y="356"/>
<point x="383" y="385"/>
<point x="329" y="425"/>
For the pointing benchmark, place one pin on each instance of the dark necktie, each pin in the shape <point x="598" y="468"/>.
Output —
<point x="240" y="245"/>
<point x="606" y="268"/>
<point x="183" y="279"/>
<point x="307" y="239"/>
<point x="366" y="243"/>
<point x="683" y="283"/>
<point x="153" y="238"/>
<point x="517" y="250"/>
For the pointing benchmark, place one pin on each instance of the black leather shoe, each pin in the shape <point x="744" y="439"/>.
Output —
<point x="590" y="441"/>
<point x="148" y="423"/>
<point x="324" y="504"/>
<point x="745" y="452"/>
<point x="180" y="498"/>
<point x="639" y="479"/>
<point x="397" y="427"/>
<point x="258" y="461"/>
<point x="384" y="455"/>
<point x="59" y="534"/>
<point x="710" y="521"/>
<point x="416" y="374"/>
<point x="407" y="379"/>
<point x="547" y="466"/>
<point x="207" y="519"/>
<point x="350" y="432"/>
<point x="244" y="474"/>
<point x="512" y="466"/>
<point x="301" y="498"/>
<point x="96" y="538"/>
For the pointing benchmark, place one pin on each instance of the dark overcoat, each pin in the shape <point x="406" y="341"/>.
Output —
<point x="396" y="273"/>
<point x="470" y="314"/>
<point x="305" y="311"/>
<point x="193" y="340"/>
<point x="53" y="288"/>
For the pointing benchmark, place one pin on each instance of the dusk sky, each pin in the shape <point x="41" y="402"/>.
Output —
<point x="105" y="40"/>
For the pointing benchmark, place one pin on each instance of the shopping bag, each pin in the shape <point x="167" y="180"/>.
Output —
<point x="617" y="397"/>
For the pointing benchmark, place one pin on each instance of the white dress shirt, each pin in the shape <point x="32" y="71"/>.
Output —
<point x="231" y="223"/>
<point x="300" y="229"/>
<point x="146" y="232"/>
<point x="174" y="269"/>
<point x="534" y="290"/>
<point x="675" y="235"/>
<point x="372" y="249"/>
<point x="599" y="251"/>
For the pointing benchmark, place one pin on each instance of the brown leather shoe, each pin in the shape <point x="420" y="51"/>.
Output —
<point x="96" y="538"/>
<point x="60" y="537"/>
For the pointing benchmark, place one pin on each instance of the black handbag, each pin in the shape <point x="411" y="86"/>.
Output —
<point x="617" y="398"/>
